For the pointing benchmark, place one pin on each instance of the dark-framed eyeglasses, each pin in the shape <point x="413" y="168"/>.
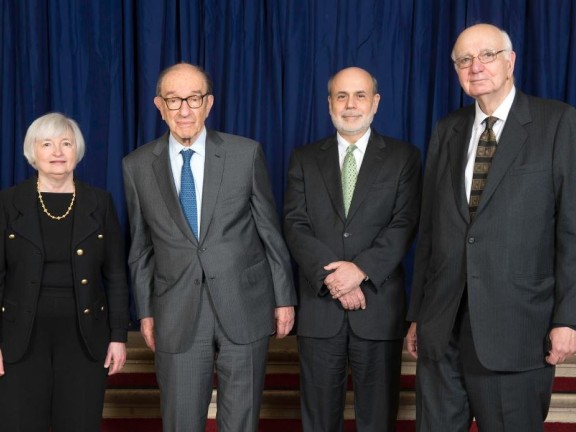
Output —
<point x="174" y="103"/>
<point x="484" y="57"/>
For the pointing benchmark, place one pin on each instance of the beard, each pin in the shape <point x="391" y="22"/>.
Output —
<point x="347" y="129"/>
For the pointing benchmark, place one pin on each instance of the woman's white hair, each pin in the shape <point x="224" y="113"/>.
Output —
<point x="50" y="126"/>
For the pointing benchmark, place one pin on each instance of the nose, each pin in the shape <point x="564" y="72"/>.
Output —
<point x="184" y="109"/>
<point x="477" y="65"/>
<point x="350" y="102"/>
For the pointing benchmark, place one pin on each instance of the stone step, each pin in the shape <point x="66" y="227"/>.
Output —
<point x="134" y="394"/>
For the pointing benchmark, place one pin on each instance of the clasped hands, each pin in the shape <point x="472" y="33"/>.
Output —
<point x="344" y="284"/>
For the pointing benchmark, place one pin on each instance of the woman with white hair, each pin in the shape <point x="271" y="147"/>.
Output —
<point x="63" y="289"/>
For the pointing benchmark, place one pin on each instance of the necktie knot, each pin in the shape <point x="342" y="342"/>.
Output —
<point x="490" y="122"/>
<point x="351" y="149"/>
<point x="187" y="155"/>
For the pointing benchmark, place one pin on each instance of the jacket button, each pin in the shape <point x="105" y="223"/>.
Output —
<point x="102" y="308"/>
<point x="3" y="309"/>
<point x="86" y="311"/>
<point x="347" y="234"/>
<point x="471" y="240"/>
<point x="100" y="236"/>
<point x="84" y="281"/>
<point x="11" y="236"/>
<point x="80" y="252"/>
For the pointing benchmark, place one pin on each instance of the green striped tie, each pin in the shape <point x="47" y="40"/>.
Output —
<point x="349" y="176"/>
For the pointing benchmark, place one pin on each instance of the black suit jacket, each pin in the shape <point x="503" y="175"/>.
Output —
<point x="376" y="234"/>
<point x="517" y="259"/>
<point x="98" y="262"/>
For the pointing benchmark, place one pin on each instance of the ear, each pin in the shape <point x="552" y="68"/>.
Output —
<point x="375" y="103"/>
<point x="159" y="102"/>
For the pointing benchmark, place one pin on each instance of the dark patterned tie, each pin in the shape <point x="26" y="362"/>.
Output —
<point x="188" y="193"/>
<point x="349" y="176"/>
<point x="484" y="154"/>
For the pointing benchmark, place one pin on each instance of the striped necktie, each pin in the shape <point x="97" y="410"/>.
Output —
<point x="484" y="153"/>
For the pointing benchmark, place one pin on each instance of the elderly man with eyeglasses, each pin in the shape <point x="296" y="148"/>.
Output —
<point x="211" y="274"/>
<point x="494" y="295"/>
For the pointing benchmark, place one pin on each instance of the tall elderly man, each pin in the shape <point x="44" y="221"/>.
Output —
<point x="351" y="209"/>
<point x="494" y="296"/>
<point x="210" y="271"/>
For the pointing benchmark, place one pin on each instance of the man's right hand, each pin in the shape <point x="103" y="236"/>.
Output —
<point x="353" y="300"/>
<point x="1" y="364"/>
<point x="147" y="330"/>
<point x="411" y="343"/>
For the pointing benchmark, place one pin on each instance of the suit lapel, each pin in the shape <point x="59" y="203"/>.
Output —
<point x="26" y="202"/>
<point x="329" y="167"/>
<point x="512" y="139"/>
<point x="84" y="223"/>
<point x="458" y="144"/>
<point x="213" y="172"/>
<point x="376" y="151"/>
<point x="165" y="181"/>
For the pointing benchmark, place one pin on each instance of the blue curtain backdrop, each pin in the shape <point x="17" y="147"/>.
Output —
<point x="97" y="61"/>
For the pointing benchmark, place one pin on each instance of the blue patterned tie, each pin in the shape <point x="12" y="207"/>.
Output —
<point x="188" y="193"/>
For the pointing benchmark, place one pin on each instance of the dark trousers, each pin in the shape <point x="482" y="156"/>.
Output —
<point x="56" y="384"/>
<point x="324" y="367"/>
<point x="185" y="379"/>
<point x="454" y="390"/>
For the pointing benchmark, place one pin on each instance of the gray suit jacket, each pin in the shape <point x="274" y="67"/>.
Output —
<point x="241" y="255"/>
<point x="518" y="258"/>
<point x="378" y="231"/>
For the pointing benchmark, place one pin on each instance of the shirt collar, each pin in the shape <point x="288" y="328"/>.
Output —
<point x="199" y="145"/>
<point x="501" y="112"/>
<point x="361" y="144"/>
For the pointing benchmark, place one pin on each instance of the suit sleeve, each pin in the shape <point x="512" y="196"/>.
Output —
<point x="3" y="225"/>
<point x="424" y="242"/>
<point x="310" y="253"/>
<point x="565" y="190"/>
<point x="389" y="247"/>
<point x="114" y="275"/>
<point x="268" y="226"/>
<point x="141" y="255"/>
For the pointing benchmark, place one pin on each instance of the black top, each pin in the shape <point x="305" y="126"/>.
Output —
<point x="57" y="238"/>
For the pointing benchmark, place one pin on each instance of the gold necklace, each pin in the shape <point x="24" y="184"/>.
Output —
<point x="45" y="210"/>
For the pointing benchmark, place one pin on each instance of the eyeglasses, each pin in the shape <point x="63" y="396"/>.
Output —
<point x="195" y="101"/>
<point x="484" y="57"/>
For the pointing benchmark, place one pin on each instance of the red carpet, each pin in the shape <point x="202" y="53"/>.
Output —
<point x="154" y="425"/>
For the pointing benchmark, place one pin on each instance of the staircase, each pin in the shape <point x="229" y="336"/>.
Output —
<point x="132" y="402"/>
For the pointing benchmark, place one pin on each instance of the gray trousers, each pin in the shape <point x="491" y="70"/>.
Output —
<point x="186" y="379"/>
<point x="450" y="392"/>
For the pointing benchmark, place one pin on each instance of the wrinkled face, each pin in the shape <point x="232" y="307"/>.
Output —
<point x="185" y="123"/>
<point x="485" y="80"/>
<point x="352" y="103"/>
<point x="55" y="157"/>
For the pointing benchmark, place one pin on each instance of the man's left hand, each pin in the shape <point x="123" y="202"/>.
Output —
<point x="345" y="277"/>
<point x="563" y="345"/>
<point x="284" y="320"/>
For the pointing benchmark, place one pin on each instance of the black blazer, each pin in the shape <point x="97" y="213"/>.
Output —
<point x="98" y="264"/>
<point x="518" y="258"/>
<point x="376" y="234"/>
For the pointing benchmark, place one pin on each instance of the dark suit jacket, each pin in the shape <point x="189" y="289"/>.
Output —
<point x="518" y="258"/>
<point x="241" y="255"/>
<point x="98" y="263"/>
<point x="376" y="234"/>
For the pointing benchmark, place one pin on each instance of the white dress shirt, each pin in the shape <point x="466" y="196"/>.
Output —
<point x="196" y="164"/>
<point x="502" y="114"/>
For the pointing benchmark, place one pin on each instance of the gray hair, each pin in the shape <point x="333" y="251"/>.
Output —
<point x="50" y="126"/>
<point x="374" y="83"/>
<point x="207" y="79"/>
